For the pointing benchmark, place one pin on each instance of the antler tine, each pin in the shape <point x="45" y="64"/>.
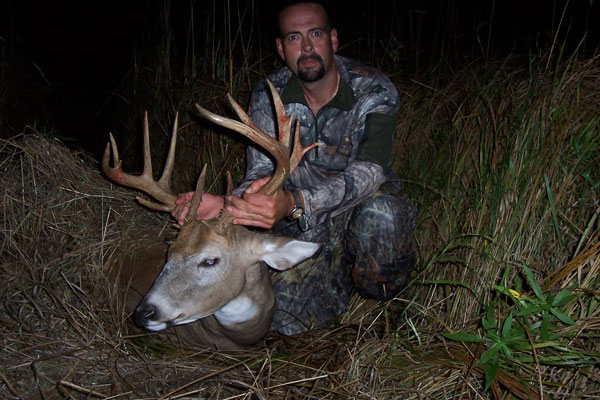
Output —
<point x="165" y="179"/>
<point x="284" y="123"/>
<point x="115" y="150"/>
<point x="144" y="182"/>
<point x="298" y="150"/>
<point x="147" y="171"/>
<point x="197" y="198"/>
<point x="250" y="131"/>
<point x="280" y="150"/>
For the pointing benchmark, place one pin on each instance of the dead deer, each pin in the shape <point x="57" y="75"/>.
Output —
<point x="216" y="278"/>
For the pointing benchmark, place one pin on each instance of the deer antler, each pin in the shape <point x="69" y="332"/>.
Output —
<point x="280" y="150"/>
<point x="159" y="190"/>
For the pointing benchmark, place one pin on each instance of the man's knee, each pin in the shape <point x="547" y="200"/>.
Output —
<point x="380" y="245"/>
<point x="389" y="217"/>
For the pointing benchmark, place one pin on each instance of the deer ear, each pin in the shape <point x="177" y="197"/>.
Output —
<point x="283" y="253"/>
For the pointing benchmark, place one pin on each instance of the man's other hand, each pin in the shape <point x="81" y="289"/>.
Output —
<point x="209" y="208"/>
<point x="255" y="209"/>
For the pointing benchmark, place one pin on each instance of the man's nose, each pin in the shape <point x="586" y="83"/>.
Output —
<point x="307" y="45"/>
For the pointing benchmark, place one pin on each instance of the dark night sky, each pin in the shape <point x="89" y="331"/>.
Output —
<point x="86" y="48"/>
<point x="79" y="41"/>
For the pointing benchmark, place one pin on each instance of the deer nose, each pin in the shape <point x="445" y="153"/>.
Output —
<point x="143" y="313"/>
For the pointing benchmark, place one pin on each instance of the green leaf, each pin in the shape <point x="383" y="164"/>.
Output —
<point x="563" y="297"/>
<point x="493" y="336"/>
<point x="529" y="311"/>
<point x="489" y="354"/>
<point x="487" y="324"/>
<point x="464" y="337"/>
<point x="507" y="325"/>
<point x="504" y="349"/>
<point x="563" y="317"/>
<point x="533" y="283"/>
<point x="491" y="370"/>
<point x="489" y="321"/>
<point x="545" y="328"/>
<point x="518" y="284"/>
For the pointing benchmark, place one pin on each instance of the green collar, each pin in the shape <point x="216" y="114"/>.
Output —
<point x="292" y="93"/>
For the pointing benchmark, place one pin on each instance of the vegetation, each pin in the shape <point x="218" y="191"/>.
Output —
<point x="501" y="154"/>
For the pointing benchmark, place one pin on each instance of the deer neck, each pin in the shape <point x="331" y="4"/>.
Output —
<point x="254" y="304"/>
<point x="244" y="320"/>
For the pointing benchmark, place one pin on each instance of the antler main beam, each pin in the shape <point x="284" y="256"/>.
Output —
<point x="280" y="150"/>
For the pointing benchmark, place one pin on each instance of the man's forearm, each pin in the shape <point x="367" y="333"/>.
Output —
<point x="342" y="191"/>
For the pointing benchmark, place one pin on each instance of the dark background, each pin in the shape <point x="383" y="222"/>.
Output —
<point x="79" y="53"/>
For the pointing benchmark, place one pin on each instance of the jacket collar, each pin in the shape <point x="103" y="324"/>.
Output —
<point x="343" y="99"/>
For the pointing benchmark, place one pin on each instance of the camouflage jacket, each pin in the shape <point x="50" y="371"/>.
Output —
<point x="356" y="128"/>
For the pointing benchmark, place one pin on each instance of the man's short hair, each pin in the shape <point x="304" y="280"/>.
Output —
<point x="290" y="3"/>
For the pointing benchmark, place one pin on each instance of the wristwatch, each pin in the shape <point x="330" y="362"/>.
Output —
<point x="297" y="213"/>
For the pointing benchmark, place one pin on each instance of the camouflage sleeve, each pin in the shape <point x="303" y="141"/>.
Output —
<point x="342" y="191"/>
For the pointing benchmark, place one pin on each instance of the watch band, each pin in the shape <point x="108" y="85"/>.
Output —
<point x="297" y="213"/>
<point x="298" y="209"/>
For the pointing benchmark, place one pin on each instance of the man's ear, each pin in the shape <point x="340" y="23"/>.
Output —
<point x="334" y="39"/>
<point x="279" y="45"/>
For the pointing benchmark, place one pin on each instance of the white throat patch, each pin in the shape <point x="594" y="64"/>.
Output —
<point x="238" y="310"/>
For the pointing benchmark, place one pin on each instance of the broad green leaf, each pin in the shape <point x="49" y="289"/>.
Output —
<point x="563" y="317"/>
<point x="489" y="321"/>
<point x="504" y="349"/>
<point x="529" y="310"/>
<point x="493" y="336"/>
<point x="533" y="283"/>
<point x="489" y="354"/>
<point x="507" y="325"/>
<point x="487" y="324"/>
<point x="545" y="327"/>
<point x="491" y="370"/>
<point x="518" y="284"/>
<point x="563" y="297"/>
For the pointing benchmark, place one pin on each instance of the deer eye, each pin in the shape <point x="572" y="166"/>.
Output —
<point x="209" y="262"/>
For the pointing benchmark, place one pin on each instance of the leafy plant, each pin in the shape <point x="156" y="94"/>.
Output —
<point x="533" y="323"/>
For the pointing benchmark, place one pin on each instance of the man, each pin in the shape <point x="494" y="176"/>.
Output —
<point x="341" y="194"/>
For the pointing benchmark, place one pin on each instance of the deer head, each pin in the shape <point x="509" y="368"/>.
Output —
<point x="214" y="267"/>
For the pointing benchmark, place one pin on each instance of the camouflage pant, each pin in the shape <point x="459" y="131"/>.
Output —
<point x="368" y="248"/>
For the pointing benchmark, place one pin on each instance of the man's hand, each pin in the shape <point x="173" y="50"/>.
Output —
<point x="255" y="209"/>
<point x="209" y="207"/>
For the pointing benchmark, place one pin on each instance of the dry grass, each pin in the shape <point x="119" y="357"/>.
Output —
<point x="485" y="208"/>
<point x="65" y="333"/>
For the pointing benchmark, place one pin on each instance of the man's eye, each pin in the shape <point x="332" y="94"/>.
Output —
<point x="317" y="33"/>
<point x="209" y="262"/>
<point x="292" y="38"/>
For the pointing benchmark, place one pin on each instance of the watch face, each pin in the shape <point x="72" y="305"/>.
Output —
<point x="297" y="212"/>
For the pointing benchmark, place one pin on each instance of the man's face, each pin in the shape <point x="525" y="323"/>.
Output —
<point x="307" y="44"/>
